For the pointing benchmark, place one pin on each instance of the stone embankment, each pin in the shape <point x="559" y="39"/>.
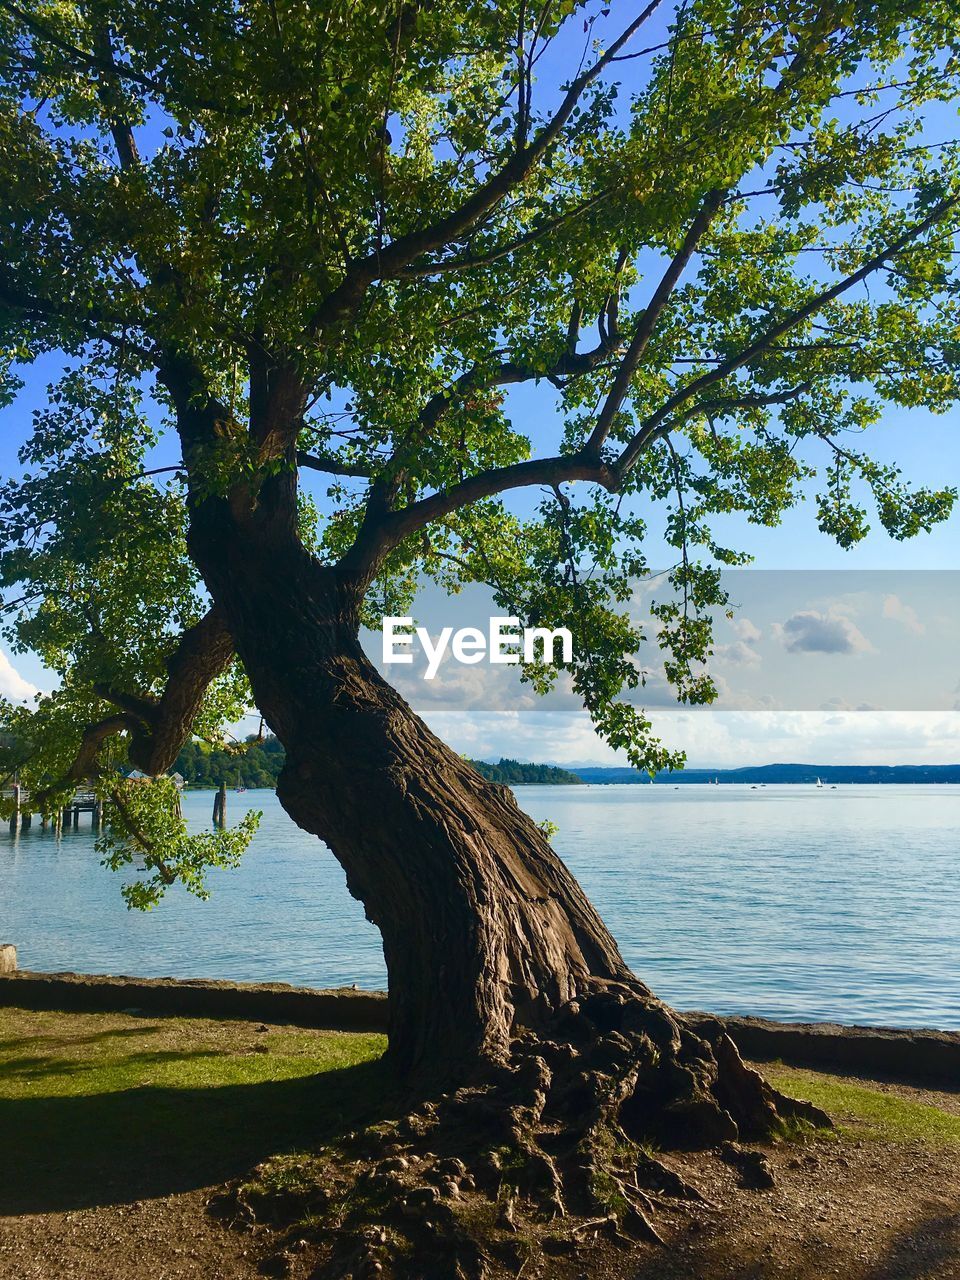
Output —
<point x="914" y="1055"/>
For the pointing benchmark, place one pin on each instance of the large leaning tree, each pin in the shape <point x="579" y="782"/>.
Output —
<point x="286" y="263"/>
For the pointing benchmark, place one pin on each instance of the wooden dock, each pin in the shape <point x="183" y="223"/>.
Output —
<point x="21" y="819"/>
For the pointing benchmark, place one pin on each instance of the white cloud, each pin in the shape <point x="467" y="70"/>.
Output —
<point x="841" y="704"/>
<point x="809" y="631"/>
<point x="894" y="608"/>
<point x="738" y="654"/>
<point x="12" y="683"/>
<point x="727" y="739"/>
<point x="746" y="630"/>
<point x="712" y="738"/>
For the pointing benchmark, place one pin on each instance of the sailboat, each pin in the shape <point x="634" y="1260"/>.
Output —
<point x="819" y="783"/>
<point x="240" y="785"/>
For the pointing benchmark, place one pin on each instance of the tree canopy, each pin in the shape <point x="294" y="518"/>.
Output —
<point x="272" y="238"/>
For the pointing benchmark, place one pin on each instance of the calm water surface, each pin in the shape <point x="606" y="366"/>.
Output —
<point x="783" y="901"/>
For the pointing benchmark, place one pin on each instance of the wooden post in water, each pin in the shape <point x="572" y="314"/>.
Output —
<point x="99" y="814"/>
<point x="26" y="820"/>
<point x="44" y="821"/>
<point x="15" y="816"/>
<point x="220" y="806"/>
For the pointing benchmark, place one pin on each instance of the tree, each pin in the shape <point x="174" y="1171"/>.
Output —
<point x="329" y="239"/>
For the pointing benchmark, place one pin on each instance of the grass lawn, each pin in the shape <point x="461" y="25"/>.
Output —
<point x="868" y="1112"/>
<point x="101" y="1108"/>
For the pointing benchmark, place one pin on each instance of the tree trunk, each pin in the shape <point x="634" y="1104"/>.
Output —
<point x="484" y="929"/>
<point x="540" y="1068"/>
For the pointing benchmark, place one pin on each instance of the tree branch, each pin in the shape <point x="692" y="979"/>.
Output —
<point x="389" y="262"/>
<point x="120" y="129"/>
<point x="387" y="531"/>
<point x="651" y="424"/>
<point x="648" y="320"/>
<point x="19" y="299"/>
<point x="160" y="726"/>
<point x="383" y="530"/>
<point x="414" y="271"/>
<point x="94" y="62"/>
<point x="84" y="767"/>
<point x="332" y="466"/>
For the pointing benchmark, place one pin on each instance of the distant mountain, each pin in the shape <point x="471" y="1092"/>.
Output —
<point x="800" y="773"/>
<point x="258" y="762"/>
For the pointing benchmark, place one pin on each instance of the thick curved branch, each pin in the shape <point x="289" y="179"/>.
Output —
<point x="94" y="736"/>
<point x="386" y="532"/>
<point x="85" y="767"/>
<point x="137" y="706"/>
<point x="159" y="727"/>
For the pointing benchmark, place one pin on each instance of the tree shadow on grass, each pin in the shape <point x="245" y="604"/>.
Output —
<point x="17" y="1043"/>
<point x="112" y="1148"/>
<point x="43" y="1067"/>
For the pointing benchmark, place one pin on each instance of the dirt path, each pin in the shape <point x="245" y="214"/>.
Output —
<point x="851" y="1210"/>
<point x="168" y="1239"/>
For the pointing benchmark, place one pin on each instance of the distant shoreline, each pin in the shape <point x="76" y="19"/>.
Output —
<point x="259" y="763"/>
<point x="830" y="776"/>
<point x="796" y="774"/>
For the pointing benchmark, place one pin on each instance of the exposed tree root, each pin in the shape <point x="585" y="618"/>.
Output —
<point x="537" y="1153"/>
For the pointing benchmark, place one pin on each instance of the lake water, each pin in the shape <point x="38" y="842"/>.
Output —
<point x="789" y="902"/>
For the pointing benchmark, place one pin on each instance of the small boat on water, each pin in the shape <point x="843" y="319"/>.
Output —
<point x="240" y="785"/>
<point x="819" y="783"/>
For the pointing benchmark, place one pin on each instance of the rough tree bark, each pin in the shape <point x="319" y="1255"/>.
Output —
<point x="483" y="926"/>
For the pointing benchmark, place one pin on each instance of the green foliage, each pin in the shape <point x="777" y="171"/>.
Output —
<point x="516" y="773"/>
<point x="255" y="764"/>
<point x="143" y="820"/>
<point x="255" y="189"/>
